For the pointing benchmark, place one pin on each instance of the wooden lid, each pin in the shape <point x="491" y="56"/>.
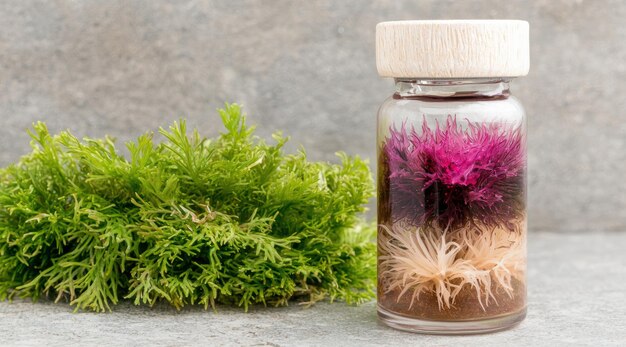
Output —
<point x="452" y="48"/>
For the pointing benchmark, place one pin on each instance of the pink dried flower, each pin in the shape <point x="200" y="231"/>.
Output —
<point x="453" y="176"/>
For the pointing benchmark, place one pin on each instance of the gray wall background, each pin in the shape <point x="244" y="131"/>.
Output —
<point x="308" y="68"/>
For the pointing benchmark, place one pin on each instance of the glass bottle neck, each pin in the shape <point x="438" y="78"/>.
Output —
<point x="477" y="88"/>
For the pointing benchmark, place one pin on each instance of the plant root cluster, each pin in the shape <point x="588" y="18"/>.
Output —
<point x="415" y="260"/>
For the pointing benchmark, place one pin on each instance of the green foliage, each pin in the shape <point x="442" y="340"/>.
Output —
<point x="188" y="221"/>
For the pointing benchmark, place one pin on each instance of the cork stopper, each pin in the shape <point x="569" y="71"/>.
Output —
<point x="452" y="48"/>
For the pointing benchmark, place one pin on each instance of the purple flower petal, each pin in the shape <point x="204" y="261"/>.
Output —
<point x="453" y="176"/>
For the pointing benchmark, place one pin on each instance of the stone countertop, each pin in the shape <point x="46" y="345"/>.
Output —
<point x="577" y="296"/>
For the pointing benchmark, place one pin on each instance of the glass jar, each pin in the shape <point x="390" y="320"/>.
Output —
<point x="451" y="202"/>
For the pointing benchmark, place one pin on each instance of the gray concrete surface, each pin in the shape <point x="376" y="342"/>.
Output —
<point x="576" y="297"/>
<point x="123" y="67"/>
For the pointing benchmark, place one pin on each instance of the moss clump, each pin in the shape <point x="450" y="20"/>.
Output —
<point x="187" y="221"/>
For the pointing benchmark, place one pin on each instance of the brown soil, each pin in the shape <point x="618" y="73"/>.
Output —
<point x="466" y="305"/>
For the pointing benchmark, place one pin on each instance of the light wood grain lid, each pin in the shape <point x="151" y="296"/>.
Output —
<point x="452" y="48"/>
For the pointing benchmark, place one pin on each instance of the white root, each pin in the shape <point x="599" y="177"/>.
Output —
<point x="416" y="260"/>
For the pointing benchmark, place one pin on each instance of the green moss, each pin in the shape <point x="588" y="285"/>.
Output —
<point x="188" y="221"/>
